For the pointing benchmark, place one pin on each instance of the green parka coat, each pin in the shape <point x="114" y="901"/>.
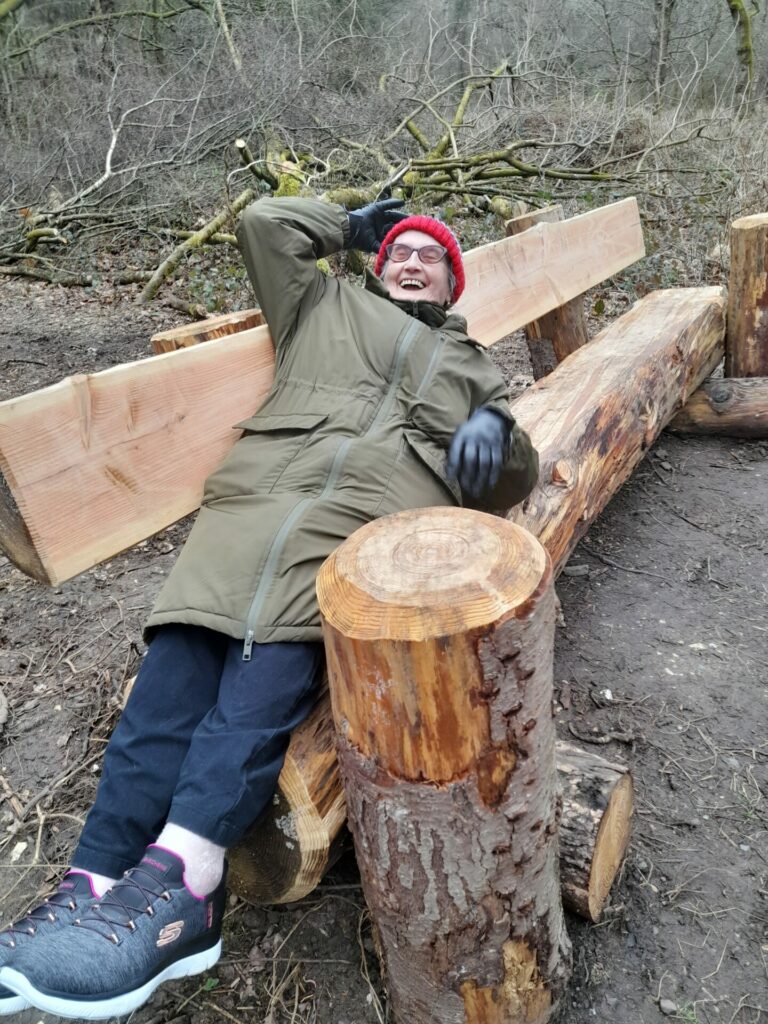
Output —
<point x="366" y="398"/>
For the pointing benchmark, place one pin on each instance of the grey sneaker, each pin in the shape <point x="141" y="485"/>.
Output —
<point x="149" y="928"/>
<point x="60" y="908"/>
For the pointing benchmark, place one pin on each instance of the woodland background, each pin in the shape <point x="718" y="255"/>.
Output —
<point x="119" y="119"/>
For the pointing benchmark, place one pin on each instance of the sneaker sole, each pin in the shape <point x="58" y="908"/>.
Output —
<point x="12" y="1004"/>
<point x="117" y="1006"/>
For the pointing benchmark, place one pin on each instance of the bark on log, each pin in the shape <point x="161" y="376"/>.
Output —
<point x="206" y="330"/>
<point x="746" y="348"/>
<point x="554" y="335"/>
<point x="595" y="416"/>
<point x="735" y="407"/>
<point x="598" y="801"/>
<point x="439" y="630"/>
<point x="288" y="850"/>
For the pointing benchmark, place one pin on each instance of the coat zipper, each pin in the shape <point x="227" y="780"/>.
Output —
<point x="281" y="536"/>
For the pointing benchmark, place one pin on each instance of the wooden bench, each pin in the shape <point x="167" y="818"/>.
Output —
<point x="98" y="462"/>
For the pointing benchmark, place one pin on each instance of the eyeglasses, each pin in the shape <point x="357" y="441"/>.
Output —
<point x="399" y="252"/>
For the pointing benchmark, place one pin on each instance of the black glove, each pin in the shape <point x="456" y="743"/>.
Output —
<point x="479" y="449"/>
<point x="368" y="226"/>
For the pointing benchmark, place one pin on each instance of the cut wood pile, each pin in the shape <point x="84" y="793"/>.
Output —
<point x="96" y="463"/>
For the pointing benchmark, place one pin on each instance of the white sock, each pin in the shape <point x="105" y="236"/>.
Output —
<point x="99" y="883"/>
<point x="203" y="860"/>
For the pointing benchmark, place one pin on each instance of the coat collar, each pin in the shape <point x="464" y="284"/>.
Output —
<point x="429" y="313"/>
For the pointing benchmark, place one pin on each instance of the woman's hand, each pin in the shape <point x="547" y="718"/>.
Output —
<point x="369" y="225"/>
<point x="478" y="451"/>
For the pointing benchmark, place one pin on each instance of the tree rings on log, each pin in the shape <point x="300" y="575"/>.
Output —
<point x="439" y="627"/>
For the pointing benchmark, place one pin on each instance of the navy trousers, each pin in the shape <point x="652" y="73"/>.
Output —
<point x="200" y="743"/>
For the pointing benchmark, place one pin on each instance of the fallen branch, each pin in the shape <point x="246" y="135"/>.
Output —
<point x="169" y="265"/>
<point x="67" y="280"/>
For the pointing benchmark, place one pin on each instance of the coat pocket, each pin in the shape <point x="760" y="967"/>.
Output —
<point x="274" y="422"/>
<point x="433" y="458"/>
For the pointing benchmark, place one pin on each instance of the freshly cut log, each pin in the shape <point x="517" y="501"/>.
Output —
<point x="288" y="850"/>
<point x="97" y="463"/>
<point x="556" y="334"/>
<point x="206" y="330"/>
<point x="746" y="346"/>
<point x="594" y="417"/>
<point x="598" y="801"/>
<point x="439" y="629"/>
<point x="733" y="406"/>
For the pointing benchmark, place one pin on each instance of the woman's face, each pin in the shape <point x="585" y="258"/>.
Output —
<point x="413" y="280"/>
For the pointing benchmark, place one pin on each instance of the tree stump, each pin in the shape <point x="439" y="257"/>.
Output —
<point x="556" y="334"/>
<point x="746" y="344"/>
<point x="439" y="627"/>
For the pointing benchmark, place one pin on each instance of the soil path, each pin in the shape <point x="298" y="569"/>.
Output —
<point x="661" y="661"/>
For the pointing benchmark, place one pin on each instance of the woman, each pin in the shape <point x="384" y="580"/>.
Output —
<point x="380" y="402"/>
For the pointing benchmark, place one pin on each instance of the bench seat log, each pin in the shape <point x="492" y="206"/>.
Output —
<point x="98" y="462"/>
<point x="592" y="420"/>
<point x="730" y="406"/>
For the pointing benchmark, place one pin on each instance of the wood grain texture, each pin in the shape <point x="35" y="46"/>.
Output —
<point x="206" y="330"/>
<point x="732" y="406"/>
<point x="558" y="333"/>
<point x="594" y="417"/>
<point x="543" y="268"/>
<point x="746" y="347"/>
<point x="97" y="463"/>
<point x="446" y="746"/>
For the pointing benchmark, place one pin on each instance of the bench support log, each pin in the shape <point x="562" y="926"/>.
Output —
<point x="439" y="630"/>
<point x="288" y="850"/>
<point x="733" y="406"/>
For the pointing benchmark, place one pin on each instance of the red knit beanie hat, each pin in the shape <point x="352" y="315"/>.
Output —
<point x="441" y="234"/>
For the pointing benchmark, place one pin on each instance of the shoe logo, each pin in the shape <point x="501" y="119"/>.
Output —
<point x="169" y="933"/>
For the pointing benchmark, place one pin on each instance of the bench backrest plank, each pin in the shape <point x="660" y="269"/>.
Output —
<point x="96" y="463"/>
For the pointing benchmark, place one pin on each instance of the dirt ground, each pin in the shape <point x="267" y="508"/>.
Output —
<point x="661" y="661"/>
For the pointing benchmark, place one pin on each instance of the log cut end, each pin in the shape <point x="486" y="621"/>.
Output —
<point x="16" y="541"/>
<point x="206" y="330"/>
<point x="598" y="801"/>
<point x="288" y="848"/>
<point x="611" y="845"/>
<point x="452" y="567"/>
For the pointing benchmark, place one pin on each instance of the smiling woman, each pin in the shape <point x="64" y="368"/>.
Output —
<point x="406" y="263"/>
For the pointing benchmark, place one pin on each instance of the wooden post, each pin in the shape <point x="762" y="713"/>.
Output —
<point x="556" y="334"/>
<point x="746" y="347"/>
<point x="734" y="406"/>
<point x="439" y="628"/>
